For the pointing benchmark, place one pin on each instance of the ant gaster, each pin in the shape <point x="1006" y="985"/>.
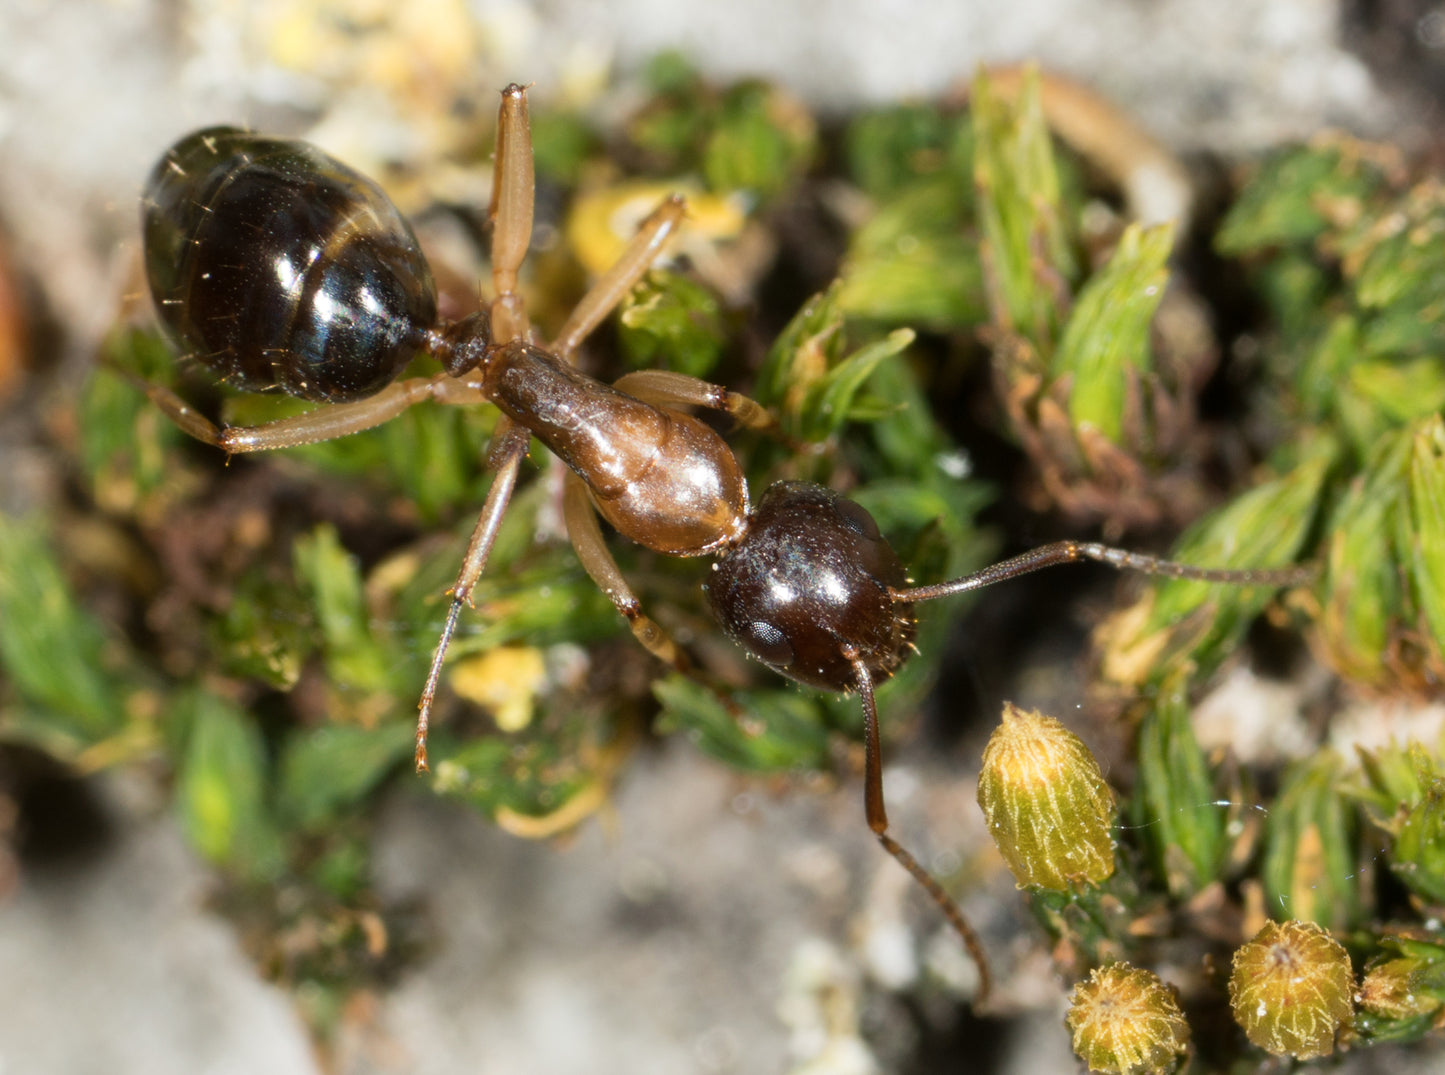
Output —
<point x="278" y="267"/>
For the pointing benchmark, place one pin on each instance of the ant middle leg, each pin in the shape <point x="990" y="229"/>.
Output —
<point x="511" y="213"/>
<point x="509" y="445"/>
<point x="641" y="252"/>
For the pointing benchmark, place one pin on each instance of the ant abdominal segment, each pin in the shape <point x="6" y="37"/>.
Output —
<point x="278" y="267"/>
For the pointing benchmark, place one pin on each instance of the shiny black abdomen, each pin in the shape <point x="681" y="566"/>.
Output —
<point x="810" y="579"/>
<point x="278" y="267"/>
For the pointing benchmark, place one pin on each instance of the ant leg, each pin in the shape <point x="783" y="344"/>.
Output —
<point x="511" y="213"/>
<point x="1070" y="552"/>
<point x="189" y="420"/>
<point x="667" y="389"/>
<point x="325" y="423"/>
<point x="509" y="445"/>
<point x="586" y="535"/>
<point x="511" y="217"/>
<point x="652" y="235"/>
<point x="878" y="822"/>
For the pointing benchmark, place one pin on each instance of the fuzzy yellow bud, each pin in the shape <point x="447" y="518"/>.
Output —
<point x="1397" y="989"/>
<point x="1291" y="990"/>
<point x="1125" y="1021"/>
<point x="1046" y="803"/>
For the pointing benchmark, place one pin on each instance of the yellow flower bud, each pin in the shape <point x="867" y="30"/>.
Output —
<point x="1291" y="990"/>
<point x="1125" y="1021"/>
<point x="1394" y="990"/>
<point x="1046" y="803"/>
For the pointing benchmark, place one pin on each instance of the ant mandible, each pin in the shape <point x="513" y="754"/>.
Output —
<point x="278" y="267"/>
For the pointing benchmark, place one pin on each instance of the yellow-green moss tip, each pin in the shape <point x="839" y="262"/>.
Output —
<point x="1126" y="1021"/>
<point x="1418" y="857"/>
<point x="1046" y="803"/>
<point x="1291" y="990"/>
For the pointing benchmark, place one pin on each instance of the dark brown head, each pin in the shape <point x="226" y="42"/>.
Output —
<point x="810" y="580"/>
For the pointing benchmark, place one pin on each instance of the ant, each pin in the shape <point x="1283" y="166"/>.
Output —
<point x="278" y="267"/>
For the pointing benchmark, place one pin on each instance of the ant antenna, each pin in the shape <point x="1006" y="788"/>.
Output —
<point x="878" y="822"/>
<point x="1072" y="552"/>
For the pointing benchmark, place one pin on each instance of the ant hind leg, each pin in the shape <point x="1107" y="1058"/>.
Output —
<point x="328" y="422"/>
<point x="513" y="200"/>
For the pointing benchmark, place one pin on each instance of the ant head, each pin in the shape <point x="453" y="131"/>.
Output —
<point x="810" y="580"/>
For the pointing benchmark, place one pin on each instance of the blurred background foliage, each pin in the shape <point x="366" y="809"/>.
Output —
<point x="258" y="632"/>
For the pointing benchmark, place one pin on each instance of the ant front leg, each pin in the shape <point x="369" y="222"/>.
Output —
<point x="663" y="388"/>
<point x="598" y="562"/>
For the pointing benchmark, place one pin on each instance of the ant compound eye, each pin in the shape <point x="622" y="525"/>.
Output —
<point x="810" y="583"/>
<point x="770" y="644"/>
<point x="856" y="518"/>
